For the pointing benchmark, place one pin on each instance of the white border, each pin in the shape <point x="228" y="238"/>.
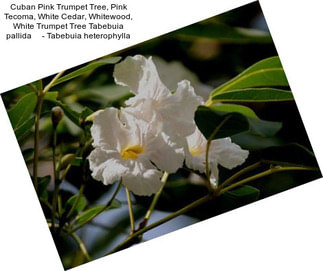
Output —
<point x="283" y="232"/>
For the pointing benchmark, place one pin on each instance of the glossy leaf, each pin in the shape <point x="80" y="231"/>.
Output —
<point x="293" y="153"/>
<point x="254" y="95"/>
<point x="23" y="109"/>
<point x="209" y="118"/>
<point x="70" y="113"/>
<point x="245" y="191"/>
<point x="265" y="73"/>
<point x="223" y="33"/>
<point x="257" y="126"/>
<point x="28" y="153"/>
<point x="249" y="141"/>
<point x="85" y="113"/>
<point x="244" y="110"/>
<point x="264" y="128"/>
<point x="89" y="67"/>
<point x="43" y="182"/>
<point x="94" y="211"/>
<point x="31" y="87"/>
<point x="51" y="96"/>
<point x="38" y="85"/>
<point x="80" y="205"/>
<point x="24" y="129"/>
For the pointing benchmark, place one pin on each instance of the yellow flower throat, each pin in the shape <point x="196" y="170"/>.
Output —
<point x="195" y="151"/>
<point x="131" y="152"/>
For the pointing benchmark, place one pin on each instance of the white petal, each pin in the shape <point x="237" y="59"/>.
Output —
<point x="227" y="154"/>
<point x="142" y="178"/>
<point x="106" y="166"/>
<point x="196" y="142"/>
<point x="168" y="153"/>
<point x="195" y="162"/>
<point x="136" y="128"/>
<point x="146" y="111"/>
<point x="141" y="76"/>
<point x="107" y="130"/>
<point x="178" y="110"/>
<point x="214" y="176"/>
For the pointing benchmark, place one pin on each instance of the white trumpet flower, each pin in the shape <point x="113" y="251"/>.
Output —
<point x="124" y="148"/>
<point x="221" y="152"/>
<point x="153" y="102"/>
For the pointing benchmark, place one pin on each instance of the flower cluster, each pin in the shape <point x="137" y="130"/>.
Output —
<point x="155" y="132"/>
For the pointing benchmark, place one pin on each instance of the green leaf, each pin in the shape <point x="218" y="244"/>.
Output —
<point x="70" y="113"/>
<point x="24" y="129"/>
<point x="85" y="113"/>
<point x="238" y="197"/>
<point x="244" y="110"/>
<point x="249" y="141"/>
<point x="292" y="153"/>
<point x="257" y="126"/>
<point x="81" y="203"/>
<point x="42" y="186"/>
<point x="20" y="114"/>
<point x="264" y="128"/>
<point x="77" y="161"/>
<point x="246" y="192"/>
<point x="23" y="109"/>
<point x="28" y="153"/>
<point x="223" y="33"/>
<point x="265" y="73"/>
<point x="23" y="89"/>
<point x="38" y="85"/>
<point x="51" y="96"/>
<point x="74" y="116"/>
<point x="254" y="95"/>
<point x="89" y="67"/>
<point x="209" y="118"/>
<point x="92" y="212"/>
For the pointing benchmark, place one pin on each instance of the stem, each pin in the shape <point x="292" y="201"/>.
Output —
<point x="76" y="238"/>
<point x="131" y="216"/>
<point x="63" y="175"/>
<point x="51" y="83"/>
<point x="103" y="208"/>
<point x="79" y="195"/>
<point x="54" y="203"/>
<point x="34" y="88"/>
<point x="238" y="174"/>
<point x="40" y="99"/>
<point x="154" y="201"/>
<point x="158" y="223"/>
<point x="48" y="205"/>
<point x="131" y="239"/>
<point x="262" y="174"/>
<point x="55" y="194"/>
<point x="77" y="153"/>
<point x="82" y="246"/>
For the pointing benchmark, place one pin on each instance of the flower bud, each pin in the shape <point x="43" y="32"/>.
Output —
<point x="56" y="114"/>
<point x="91" y="117"/>
<point x="66" y="160"/>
